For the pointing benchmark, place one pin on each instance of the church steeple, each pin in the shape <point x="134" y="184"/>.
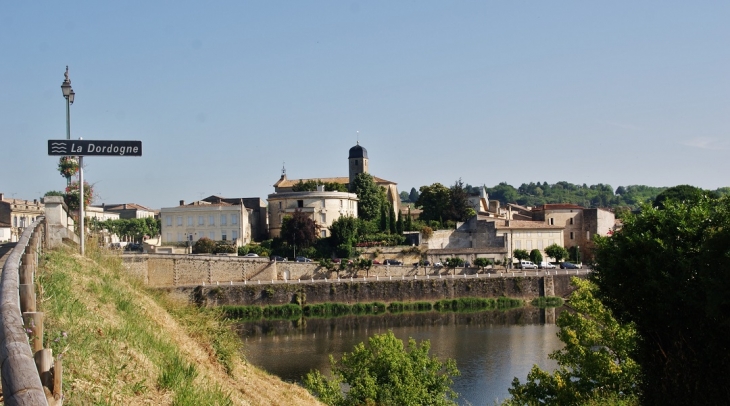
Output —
<point x="358" y="161"/>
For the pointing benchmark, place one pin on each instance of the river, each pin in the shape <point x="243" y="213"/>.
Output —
<point x="490" y="348"/>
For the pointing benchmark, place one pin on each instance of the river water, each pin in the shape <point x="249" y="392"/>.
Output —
<point x="490" y="348"/>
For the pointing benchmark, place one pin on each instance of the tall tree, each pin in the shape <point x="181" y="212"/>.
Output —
<point x="459" y="209"/>
<point x="299" y="230"/>
<point x="668" y="272"/>
<point x="370" y="196"/>
<point x="434" y="200"/>
<point x="413" y="195"/>
<point x="682" y="193"/>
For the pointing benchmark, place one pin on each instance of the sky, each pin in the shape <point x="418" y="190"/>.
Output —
<point x="225" y="94"/>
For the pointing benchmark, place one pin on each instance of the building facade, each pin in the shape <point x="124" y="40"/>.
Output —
<point x="16" y="214"/>
<point x="580" y="224"/>
<point x="323" y="208"/>
<point x="217" y="221"/>
<point x="129" y="210"/>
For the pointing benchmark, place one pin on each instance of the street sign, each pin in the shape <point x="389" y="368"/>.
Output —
<point x="94" y="148"/>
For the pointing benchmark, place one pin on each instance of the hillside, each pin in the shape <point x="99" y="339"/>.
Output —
<point x="122" y="344"/>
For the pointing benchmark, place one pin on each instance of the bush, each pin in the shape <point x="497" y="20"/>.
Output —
<point x="204" y="246"/>
<point x="224" y="247"/>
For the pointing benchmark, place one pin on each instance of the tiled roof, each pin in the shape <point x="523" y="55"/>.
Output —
<point x="285" y="183"/>
<point x="525" y="224"/>
<point x="558" y="206"/>
<point x="129" y="206"/>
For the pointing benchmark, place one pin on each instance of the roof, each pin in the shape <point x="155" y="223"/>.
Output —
<point x="524" y="224"/>
<point x="126" y="206"/>
<point x="358" y="151"/>
<point x="344" y="180"/>
<point x="558" y="206"/>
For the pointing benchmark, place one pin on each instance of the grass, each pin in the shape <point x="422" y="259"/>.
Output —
<point x="124" y="344"/>
<point x="549" y="301"/>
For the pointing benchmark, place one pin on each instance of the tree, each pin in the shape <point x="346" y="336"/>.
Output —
<point x="556" y="251"/>
<point x="204" y="246"/>
<point x="344" y="231"/>
<point x="482" y="263"/>
<point x="520" y="254"/>
<point x="404" y="197"/>
<point x="370" y="196"/>
<point x="311" y="186"/>
<point x="299" y="230"/>
<point x="595" y="363"/>
<point x="435" y="201"/>
<point x="399" y="224"/>
<point x="453" y="263"/>
<point x="536" y="256"/>
<point x="459" y="208"/>
<point x="384" y="372"/>
<point x="682" y="193"/>
<point x="668" y="271"/>
<point x="363" y="264"/>
<point x="391" y="219"/>
<point x="413" y="196"/>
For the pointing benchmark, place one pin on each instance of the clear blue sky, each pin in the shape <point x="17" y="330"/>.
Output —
<point x="222" y="93"/>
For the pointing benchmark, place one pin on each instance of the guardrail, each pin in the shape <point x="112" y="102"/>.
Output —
<point x="29" y="375"/>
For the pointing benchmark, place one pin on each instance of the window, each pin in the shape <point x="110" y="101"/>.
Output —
<point x="234" y="219"/>
<point x="234" y="234"/>
<point x="324" y="233"/>
<point x="211" y="220"/>
<point x="341" y="204"/>
<point x="179" y="220"/>
<point x="168" y="237"/>
<point x="190" y="221"/>
<point x="571" y="235"/>
<point x="179" y="237"/>
<point x="223" y="235"/>
<point x="588" y="235"/>
<point x="539" y="244"/>
<point x="300" y="203"/>
<point x="212" y="235"/>
<point x="518" y="245"/>
<point x="571" y="221"/>
<point x="224" y="220"/>
<point x="323" y="218"/>
<point x="552" y="222"/>
<point x="168" y="221"/>
<point x="201" y="220"/>
<point x="279" y="205"/>
<point x="529" y="245"/>
<point x="551" y="242"/>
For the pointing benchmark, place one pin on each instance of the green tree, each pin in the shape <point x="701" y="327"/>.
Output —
<point x="459" y="209"/>
<point x="399" y="226"/>
<point x="370" y="196"/>
<point x="434" y="200"/>
<point x="413" y="196"/>
<point x="385" y="372"/>
<point x="344" y="230"/>
<point x="595" y="363"/>
<point x="453" y="263"/>
<point x="299" y="230"/>
<point x="682" y="193"/>
<point x="536" y="256"/>
<point x="204" y="246"/>
<point x="668" y="271"/>
<point x="521" y="255"/>
<point x="311" y="185"/>
<point x="363" y="264"/>
<point x="404" y="197"/>
<point x="392" y="223"/>
<point x="556" y="251"/>
<point x="482" y="263"/>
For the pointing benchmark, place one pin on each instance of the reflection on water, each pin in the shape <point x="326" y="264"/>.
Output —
<point x="490" y="348"/>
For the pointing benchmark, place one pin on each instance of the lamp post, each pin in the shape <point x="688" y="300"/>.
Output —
<point x="68" y="94"/>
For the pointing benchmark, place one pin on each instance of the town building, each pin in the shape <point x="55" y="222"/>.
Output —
<point x="220" y="221"/>
<point x="257" y="214"/>
<point x="16" y="214"/>
<point x="579" y="224"/>
<point x="322" y="207"/>
<point x="129" y="210"/>
<point x="98" y="213"/>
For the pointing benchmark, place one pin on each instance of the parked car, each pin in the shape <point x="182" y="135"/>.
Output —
<point x="376" y="262"/>
<point x="438" y="264"/>
<point x="251" y="255"/>
<point x="392" y="262"/>
<point x="569" y="265"/>
<point x="527" y="265"/>
<point x="133" y="247"/>
<point x="277" y="258"/>
<point x="547" y="265"/>
<point x="303" y="259"/>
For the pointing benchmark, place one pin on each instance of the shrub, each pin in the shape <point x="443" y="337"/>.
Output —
<point x="204" y="246"/>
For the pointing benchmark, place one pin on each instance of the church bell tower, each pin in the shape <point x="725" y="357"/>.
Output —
<point x="358" y="161"/>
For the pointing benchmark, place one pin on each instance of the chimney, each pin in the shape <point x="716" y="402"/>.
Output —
<point x="182" y="202"/>
<point x="1" y="196"/>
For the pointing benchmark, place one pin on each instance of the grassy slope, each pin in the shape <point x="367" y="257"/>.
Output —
<point x="122" y="344"/>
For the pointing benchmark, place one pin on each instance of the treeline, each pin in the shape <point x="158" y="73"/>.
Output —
<point x="599" y="195"/>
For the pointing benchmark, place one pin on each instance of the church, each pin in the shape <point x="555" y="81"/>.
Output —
<point x="325" y="206"/>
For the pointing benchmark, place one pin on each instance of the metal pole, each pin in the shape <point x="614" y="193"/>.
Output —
<point x="81" y="200"/>
<point x="68" y="119"/>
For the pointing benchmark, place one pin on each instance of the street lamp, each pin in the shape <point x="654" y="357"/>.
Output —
<point x="68" y="94"/>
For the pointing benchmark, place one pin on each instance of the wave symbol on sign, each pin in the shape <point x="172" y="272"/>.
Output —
<point x="58" y="147"/>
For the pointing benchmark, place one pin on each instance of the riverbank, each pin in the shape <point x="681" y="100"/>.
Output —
<point x="123" y="343"/>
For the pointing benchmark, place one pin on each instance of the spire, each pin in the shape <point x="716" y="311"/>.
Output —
<point x="283" y="169"/>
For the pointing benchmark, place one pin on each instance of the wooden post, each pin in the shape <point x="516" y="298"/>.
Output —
<point x="33" y="322"/>
<point x="27" y="298"/>
<point x="26" y="270"/>
<point x="57" y="380"/>
<point x="43" y="362"/>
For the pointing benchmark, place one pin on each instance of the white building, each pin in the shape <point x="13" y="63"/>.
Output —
<point x="322" y="207"/>
<point x="221" y="221"/>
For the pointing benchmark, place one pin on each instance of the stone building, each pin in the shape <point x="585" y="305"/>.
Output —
<point x="323" y="208"/>
<point x="129" y="210"/>
<point x="221" y="221"/>
<point x="16" y="214"/>
<point x="580" y="224"/>
<point x="257" y="214"/>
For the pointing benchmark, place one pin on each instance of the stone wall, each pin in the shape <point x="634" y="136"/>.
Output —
<point x="386" y="291"/>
